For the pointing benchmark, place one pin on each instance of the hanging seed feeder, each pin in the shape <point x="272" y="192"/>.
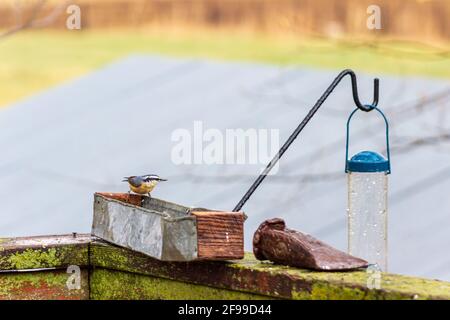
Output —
<point x="367" y="173"/>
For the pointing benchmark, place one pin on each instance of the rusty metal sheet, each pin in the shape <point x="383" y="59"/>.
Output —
<point x="160" y="229"/>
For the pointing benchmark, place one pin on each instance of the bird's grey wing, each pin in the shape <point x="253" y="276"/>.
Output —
<point x="135" y="181"/>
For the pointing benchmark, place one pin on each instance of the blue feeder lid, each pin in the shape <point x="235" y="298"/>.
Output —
<point x="368" y="161"/>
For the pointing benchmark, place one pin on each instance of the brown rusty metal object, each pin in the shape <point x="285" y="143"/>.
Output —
<point x="273" y="241"/>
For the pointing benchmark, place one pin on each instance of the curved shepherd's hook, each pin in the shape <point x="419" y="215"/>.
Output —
<point x="366" y="108"/>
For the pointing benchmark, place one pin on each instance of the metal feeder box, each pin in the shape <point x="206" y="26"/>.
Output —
<point x="168" y="231"/>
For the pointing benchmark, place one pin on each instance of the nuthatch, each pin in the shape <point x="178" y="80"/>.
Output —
<point x="143" y="184"/>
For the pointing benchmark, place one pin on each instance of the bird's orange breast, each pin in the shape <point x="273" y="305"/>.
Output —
<point x="144" y="188"/>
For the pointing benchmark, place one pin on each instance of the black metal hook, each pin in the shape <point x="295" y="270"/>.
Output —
<point x="376" y="84"/>
<point x="333" y="85"/>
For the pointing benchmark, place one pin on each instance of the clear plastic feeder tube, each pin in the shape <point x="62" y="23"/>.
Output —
<point x="367" y="207"/>
<point x="367" y="217"/>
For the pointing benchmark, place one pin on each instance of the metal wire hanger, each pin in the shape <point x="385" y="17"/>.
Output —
<point x="301" y="126"/>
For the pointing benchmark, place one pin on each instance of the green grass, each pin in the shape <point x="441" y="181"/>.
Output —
<point x="35" y="60"/>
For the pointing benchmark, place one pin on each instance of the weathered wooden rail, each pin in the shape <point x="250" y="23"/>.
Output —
<point x="36" y="268"/>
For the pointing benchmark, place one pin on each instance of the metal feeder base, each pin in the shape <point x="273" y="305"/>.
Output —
<point x="168" y="231"/>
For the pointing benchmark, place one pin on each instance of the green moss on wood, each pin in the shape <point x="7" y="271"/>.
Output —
<point x="247" y="278"/>
<point x="355" y="285"/>
<point x="351" y="284"/>
<point x="40" y="285"/>
<point x="33" y="259"/>
<point x="109" y="284"/>
<point x="104" y="255"/>
<point x="38" y="258"/>
<point x="328" y="291"/>
<point x="266" y="278"/>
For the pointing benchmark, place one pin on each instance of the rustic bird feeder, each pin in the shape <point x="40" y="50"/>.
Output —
<point x="168" y="231"/>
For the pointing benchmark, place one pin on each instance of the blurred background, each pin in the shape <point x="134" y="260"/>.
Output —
<point x="413" y="38"/>
<point x="92" y="90"/>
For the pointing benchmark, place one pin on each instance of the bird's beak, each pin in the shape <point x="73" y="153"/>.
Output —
<point x="125" y="180"/>
<point x="162" y="179"/>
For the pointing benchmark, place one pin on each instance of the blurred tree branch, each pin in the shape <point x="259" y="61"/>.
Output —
<point x="33" y="20"/>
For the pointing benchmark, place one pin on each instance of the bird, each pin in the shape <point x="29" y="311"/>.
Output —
<point x="143" y="184"/>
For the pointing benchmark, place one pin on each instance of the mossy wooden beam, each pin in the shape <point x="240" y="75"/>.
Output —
<point x="44" y="252"/>
<point x="264" y="278"/>
<point x="111" y="284"/>
<point x="247" y="278"/>
<point x="42" y="285"/>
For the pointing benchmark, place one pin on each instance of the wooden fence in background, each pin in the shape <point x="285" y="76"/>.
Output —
<point x="422" y="20"/>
